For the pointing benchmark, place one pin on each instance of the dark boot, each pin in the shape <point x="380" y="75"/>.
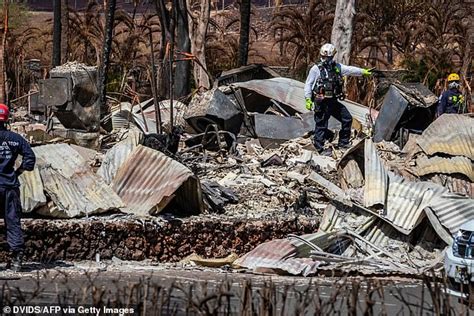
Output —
<point x="344" y="146"/>
<point x="15" y="261"/>
<point x="326" y="152"/>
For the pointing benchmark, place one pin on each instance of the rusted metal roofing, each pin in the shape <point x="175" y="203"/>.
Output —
<point x="116" y="156"/>
<point x="31" y="190"/>
<point x="280" y="254"/>
<point x="458" y="164"/>
<point x="376" y="177"/>
<point x="451" y="134"/>
<point x="148" y="180"/>
<point x="74" y="189"/>
<point x="454" y="183"/>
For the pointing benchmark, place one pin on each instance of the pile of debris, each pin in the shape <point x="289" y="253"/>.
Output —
<point x="243" y="149"/>
<point x="132" y="178"/>
<point x="381" y="223"/>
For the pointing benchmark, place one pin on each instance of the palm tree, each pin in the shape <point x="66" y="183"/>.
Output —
<point x="222" y="42"/>
<point x="301" y="31"/>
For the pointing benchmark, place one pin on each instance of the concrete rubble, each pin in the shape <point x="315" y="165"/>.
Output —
<point x="244" y="150"/>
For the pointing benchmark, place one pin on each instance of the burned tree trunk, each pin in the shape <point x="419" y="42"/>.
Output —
<point x="342" y="29"/>
<point x="64" y="30"/>
<point x="107" y="48"/>
<point x="198" y="25"/>
<point x="466" y="64"/>
<point x="162" y="74"/>
<point x="183" y="67"/>
<point x="3" y="72"/>
<point x="244" y="32"/>
<point x="56" y="33"/>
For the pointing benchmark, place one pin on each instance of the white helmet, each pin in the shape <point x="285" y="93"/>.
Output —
<point x="328" y="50"/>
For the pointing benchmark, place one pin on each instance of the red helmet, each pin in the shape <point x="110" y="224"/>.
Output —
<point x="4" y="113"/>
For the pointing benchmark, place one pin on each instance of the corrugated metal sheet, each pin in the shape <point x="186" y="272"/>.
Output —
<point x="88" y="154"/>
<point x="291" y="92"/>
<point x="458" y="164"/>
<point x="287" y="91"/>
<point x="278" y="254"/>
<point x="454" y="183"/>
<point x="384" y="235"/>
<point x="376" y="177"/>
<point x="148" y="180"/>
<point x="122" y="115"/>
<point x="451" y="134"/>
<point x="178" y="113"/>
<point x="406" y="201"/>
<point x="358" y="111"/>
<point x="31" y="190"/>
<point x="453" y="210"/>
<point x="62" y="158"/>
<point x="418" y="94"/>
<point x="74" y="189"/>
<point x="117" y="155"/>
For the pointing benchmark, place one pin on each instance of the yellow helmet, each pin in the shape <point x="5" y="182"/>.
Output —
<point x="453" y="77"/>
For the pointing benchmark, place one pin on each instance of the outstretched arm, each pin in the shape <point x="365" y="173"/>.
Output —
<point x="351" y="71"/>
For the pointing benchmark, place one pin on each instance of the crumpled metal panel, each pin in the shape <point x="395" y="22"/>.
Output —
<point x="454" y="183"/>
<point x="246" y="73"/>
<point x="118" y="154"/>
<point x="148" y="180"/>
<point x="122" y="115"/>
<point x="62" y="158"/>
<point x="275" y="129"/>
<point x="406" y="202"/>
<point x="287" y="91"/>
<point x="376" y="177"/>
<point x="458" y="164"/>
<point x="291" y="93"/>
<point x="278" y="254"/>
<point x="178" y="115"/>
<point x="417" y="94"/>
<point x="82" y="194"/>
<point x="31" y="190"/>
<point x="451" y="134"/>
<point x="74" y="189"/>
<point x="393" y="107"/>
<point x="213" y="107"/>
<point x="453" y="210"/>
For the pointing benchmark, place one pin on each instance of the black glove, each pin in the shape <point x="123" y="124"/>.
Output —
<point x="18" y="172"/>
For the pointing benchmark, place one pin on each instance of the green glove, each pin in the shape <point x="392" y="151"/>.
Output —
<point x="366" y="72"/>
<point x="309" y="104"/>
